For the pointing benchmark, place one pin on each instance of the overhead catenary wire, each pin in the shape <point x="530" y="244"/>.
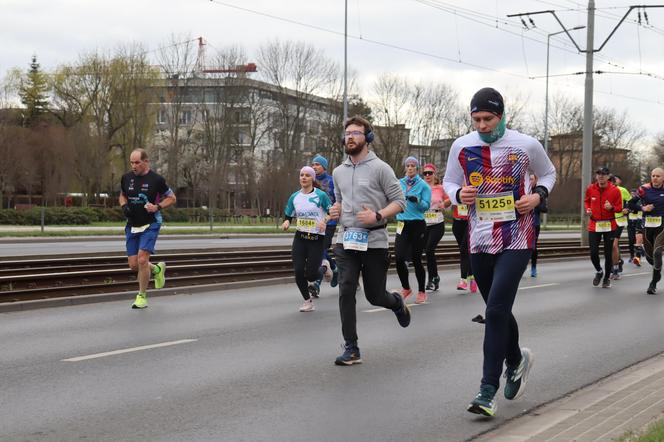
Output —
<point x="364" y="39"/>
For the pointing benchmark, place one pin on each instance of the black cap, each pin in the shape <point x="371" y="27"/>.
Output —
<point x="489" y="100"/>
<point x="602" y="171"/>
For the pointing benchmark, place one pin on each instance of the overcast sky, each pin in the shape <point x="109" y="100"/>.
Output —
<point x="468" y="44"/>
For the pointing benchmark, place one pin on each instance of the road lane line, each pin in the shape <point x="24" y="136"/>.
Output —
<point x="128" y="350"/>
<point x="538" y="286"/>
<point x="380" y="309"/>
<point x="635" y="274"/>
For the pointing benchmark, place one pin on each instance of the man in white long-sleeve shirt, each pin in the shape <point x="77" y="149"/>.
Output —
<point x="489" y="170"/>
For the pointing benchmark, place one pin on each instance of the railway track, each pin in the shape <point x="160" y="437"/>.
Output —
<point x="30" y="279"/>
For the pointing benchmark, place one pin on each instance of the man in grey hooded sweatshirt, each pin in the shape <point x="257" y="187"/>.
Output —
<point x="367" y="193"/>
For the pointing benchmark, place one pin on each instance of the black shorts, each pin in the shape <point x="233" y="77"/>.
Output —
<point x="618" y="232"/>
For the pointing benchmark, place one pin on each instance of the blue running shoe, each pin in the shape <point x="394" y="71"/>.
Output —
<point x="533" y="272"/>
<point x="518" y="376"/>
<point x="350" y="356"/>
<point x="484" y="402"/>
<point x="335" y="278"/>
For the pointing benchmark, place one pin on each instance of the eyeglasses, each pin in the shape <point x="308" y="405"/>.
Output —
<point x="427" y="172"/>
<point x="353" y="133"/>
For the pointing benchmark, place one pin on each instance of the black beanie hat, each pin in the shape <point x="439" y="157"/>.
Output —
<point x="489" y="100"/>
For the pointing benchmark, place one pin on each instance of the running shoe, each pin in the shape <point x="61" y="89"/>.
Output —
<point x="533" y="272"/>
<point x="405" y="293"/>
<point x="597" y="278"/>
<point x="421" y="298"/>
<point x="462" y="285"/>
<point x="484" y="402"/>
<point x="402" y="312"/>
<point x="160" y="275"/>
<point x="616" y="276"/>
<point x="652" y="289"/>
<point x="350" y="356"/>
<point x="606" y="283"/>
<point x="328" y="271"/>
<point x="314" y="289"/>
<point x="433" y="284"/>
<point x="518" y="376"/>
<point x="141" y="301"/>
<point x="473" y="286"/>
<point x="307" y="306"/>
<point x="335" y="278"/>
<point x="637" y="261"/>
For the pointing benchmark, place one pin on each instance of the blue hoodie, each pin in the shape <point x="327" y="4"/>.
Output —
<point x="422" y="191"/>
<point x="327" y="185"/>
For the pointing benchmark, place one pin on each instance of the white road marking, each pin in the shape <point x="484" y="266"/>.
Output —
<point x="635" y="274"/>
<point x="381" y="309"/>
<point x="538" y="286"/>
<point x="128" y="350"/>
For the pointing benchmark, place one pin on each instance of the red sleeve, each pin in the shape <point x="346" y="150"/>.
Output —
<point x="617" y="206"/>
<point x="586" y="200"/>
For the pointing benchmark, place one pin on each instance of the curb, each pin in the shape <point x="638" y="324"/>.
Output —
<point x="627" y="400"/>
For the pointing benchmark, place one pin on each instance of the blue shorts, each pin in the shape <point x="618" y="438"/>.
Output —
<point x="144" y="240"/>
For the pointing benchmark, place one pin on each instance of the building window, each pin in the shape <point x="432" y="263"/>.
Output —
<point x="161" y="116"/>
<point x="185" y="117"/>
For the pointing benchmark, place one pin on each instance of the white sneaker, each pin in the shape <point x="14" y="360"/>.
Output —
<point x="307" y="306"/>
<point x="327" y="276"/>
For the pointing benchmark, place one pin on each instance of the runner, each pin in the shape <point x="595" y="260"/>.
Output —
<point x="635" y="229"/>
<point x="460" y="231"/>
<point x="309" y="206"/>
<point x="367" y="193"/>
<point x="326" y="183"/>
<point x="651" y="196"/>
<point x="536" y="222"/>
<point x="411" y="228"/>
<point x="621" y="221"/>
<point x="143" y="195"/>
<point x="602" y="201"/>
<point x="435" y="220"/>
<point x="489" y="170"/>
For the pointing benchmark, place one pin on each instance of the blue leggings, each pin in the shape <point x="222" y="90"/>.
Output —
<point x="498" y="278"/>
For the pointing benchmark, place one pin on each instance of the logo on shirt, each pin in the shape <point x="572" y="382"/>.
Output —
<point x="475" y="179"/>
<point x="505" y="179"/>
<point x="512" y="158"/>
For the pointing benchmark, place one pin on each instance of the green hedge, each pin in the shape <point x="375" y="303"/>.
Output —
<point x="87" y="215"/>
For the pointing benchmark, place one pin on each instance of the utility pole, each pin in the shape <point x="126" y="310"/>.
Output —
<point x="586" y="164"/>
<point x="345" y="60"/>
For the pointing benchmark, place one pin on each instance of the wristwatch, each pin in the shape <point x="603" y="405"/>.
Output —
<point x="378" y="216"/>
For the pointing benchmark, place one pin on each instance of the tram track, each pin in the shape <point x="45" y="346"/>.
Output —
<point x="70" y="276"/>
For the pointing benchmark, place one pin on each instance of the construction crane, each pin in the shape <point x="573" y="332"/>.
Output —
<point x="240" y="70"/>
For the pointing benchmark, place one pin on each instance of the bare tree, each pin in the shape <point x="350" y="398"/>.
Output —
<point x="177" y="60"/>
<point x="298" y="72"/>
<point x="392" y="109"/>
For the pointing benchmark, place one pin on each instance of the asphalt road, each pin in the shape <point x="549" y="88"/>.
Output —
<point x="54" y="246"/>
<point x="247" y="366"/>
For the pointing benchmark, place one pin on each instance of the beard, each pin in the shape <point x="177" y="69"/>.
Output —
<point x="354" y="150"/>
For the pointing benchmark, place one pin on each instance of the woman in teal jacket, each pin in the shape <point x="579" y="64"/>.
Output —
<point x="411" y="228"/>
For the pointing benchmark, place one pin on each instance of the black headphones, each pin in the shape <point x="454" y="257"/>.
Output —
<point x="368" y="136"/>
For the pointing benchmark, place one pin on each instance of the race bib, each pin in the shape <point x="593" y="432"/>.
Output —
<point x="307" y="225"/>
<point x="635" y="216"/>
<point x="653" y="221"/>
<point x="602" y="226"/>
<point x="622" y="221"/>
<point x="495" y="207"/>
<point x="356" y="239"/>
<point x="140" y="229"/>
<point x="400" y="225"/>
<point x="434" y="217"/>
<point x="462" y="210"/>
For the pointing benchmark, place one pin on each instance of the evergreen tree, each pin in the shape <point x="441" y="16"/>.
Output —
<point x="33" y="93"/>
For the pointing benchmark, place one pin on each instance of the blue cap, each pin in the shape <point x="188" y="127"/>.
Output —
<point x="412" y="159"/>
<point x="320" y="160"/>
